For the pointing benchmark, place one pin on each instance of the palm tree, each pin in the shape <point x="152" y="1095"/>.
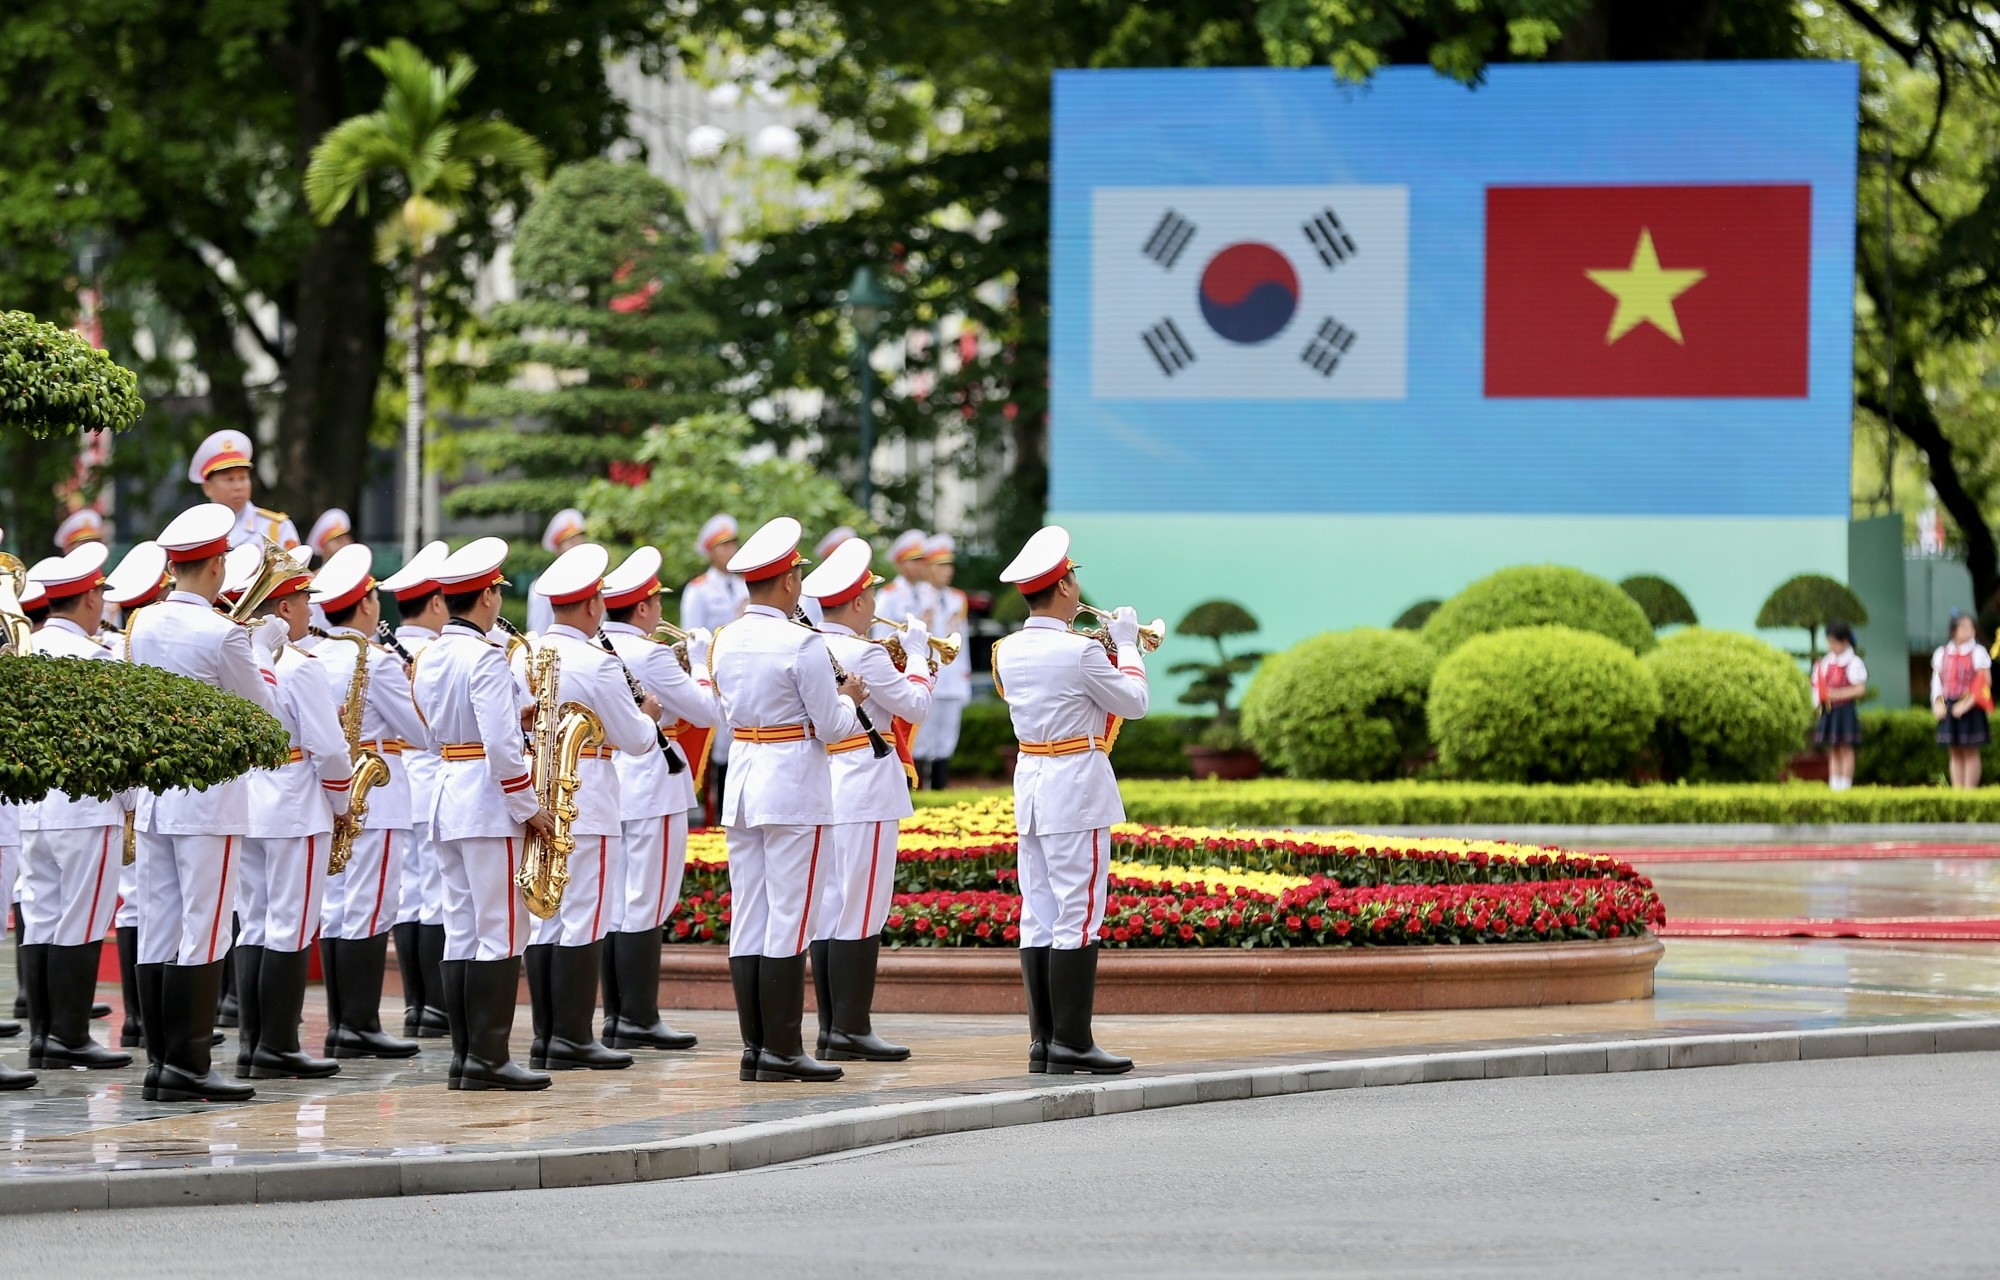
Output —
<point x="416" y="141"/>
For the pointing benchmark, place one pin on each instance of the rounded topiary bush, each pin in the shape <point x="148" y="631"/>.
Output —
<point x="1733" y="708"/>
<point x="1541" y="704"/>
<point x="1535" y="595"/>
<point x="1346" y="704"/>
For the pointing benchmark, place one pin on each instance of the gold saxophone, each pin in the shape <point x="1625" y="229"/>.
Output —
<point x="370" y="769"/>
<point x="562" y="732"/>
<point x="19" y="633"/>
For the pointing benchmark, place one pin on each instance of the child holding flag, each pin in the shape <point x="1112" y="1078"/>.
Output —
<point x="1839" y="681"/>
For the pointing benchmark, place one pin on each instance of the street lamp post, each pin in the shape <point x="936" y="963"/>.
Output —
<point x="865" y="303"/>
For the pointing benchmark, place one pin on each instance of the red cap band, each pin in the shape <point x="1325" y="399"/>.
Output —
<point x="579" y="595"/>
<point x="477" y="582"/>
<point x="415" y="589"/>
<point x="1049" y="579"/>
<point x="723" y="534"/>
<point x="64" y="590"/>
<point x="292" y="586"/>
<point x="781" y="565"/>
<point x="848" y="595"/>
<point x="347" y="599"/>
<point x="626" y="599"/>
<point x="227" y="458"/>
<point x="201" y="551"/>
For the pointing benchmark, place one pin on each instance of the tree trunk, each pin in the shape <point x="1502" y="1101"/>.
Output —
<point x="413" y="419"/>
<point x="1920" y="426"/>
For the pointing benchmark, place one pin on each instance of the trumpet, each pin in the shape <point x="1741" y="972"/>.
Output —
<point x="944" y="650"/>
<point x="1150" y="635"/>
<point x="669" y="634"/>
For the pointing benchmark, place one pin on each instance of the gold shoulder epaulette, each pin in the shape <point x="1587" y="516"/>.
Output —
<point x="269" y="514"/>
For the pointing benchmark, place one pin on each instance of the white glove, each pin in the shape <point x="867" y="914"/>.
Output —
<point x="1124" y="628"/>
<point x="269" y="636"/>
<point x="698" y="643"/>
<point x="917" y="639"/>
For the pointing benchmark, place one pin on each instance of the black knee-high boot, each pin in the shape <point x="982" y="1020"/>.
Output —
<point x="822" y="991"/>
<point x="573" y="977"/>
<point x="1072" y="996"/>
<point x="743" y="979"/>
<point x="781" y="995"/>
<point x="452" y="975"/>
<point x="634" y="960"/>
<point x="854" y="962"/>
<point x="537" y="960"/>
<point x="249" y="1004"/>
<point x="430" y="945"/>
<point x="410" y="967"/>
<point x="354" y="1027"/>
<point x="31" y="974"/>
<point x="129" y="1035"/>
<point x="228" y="1011"/>
<point x="12" y="1026"/>
<point x="70" y="983"/>
<point x="189" y="994"/>
<point x="489" y="1013"/>
<point x="1035" y="977"/>
<point x="281" y="996"/>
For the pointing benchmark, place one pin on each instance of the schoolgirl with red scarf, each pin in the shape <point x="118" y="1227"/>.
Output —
<point x="1839" y="681"/>
<point x="1961" y="696"/>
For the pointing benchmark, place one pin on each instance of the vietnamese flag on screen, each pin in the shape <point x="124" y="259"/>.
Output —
<point x="1647" y="290"/>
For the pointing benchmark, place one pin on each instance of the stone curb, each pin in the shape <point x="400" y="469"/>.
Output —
<point x="774" y="1142"/>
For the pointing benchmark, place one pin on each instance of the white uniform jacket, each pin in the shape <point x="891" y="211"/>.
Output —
<point x="255" y="522"/>
<point x="866" y="789"/>
<point x="472" y="709"/>
<point x="420" y="763"/>
<point x="646" y="787"/>
<point x="61" y="638"/>
<point x="771" y="674"/>
<point x="903" y="597"/>
<point x="1061" y="688"/>
<point x="185" y="635"/>
<point x="954" y="614"/>
<point x="302" y="798"/>
<point x="713" y="598"/>
<point x="389" y="719"/>
<point x="589" y="675"/>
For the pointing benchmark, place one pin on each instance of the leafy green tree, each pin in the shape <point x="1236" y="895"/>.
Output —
<point x="52" y="382"/>
<point x="1662" y="601"/>
<point x="1811" y="600"/>
<point x="1414" y="617"/>
<point x="1213" y="682"/>
<point x="613" y="301"/>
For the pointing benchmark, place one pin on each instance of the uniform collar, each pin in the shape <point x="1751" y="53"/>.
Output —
<point x="835" y="629"/>
<point x="347" y="631"/>
<point x="567" y="632"/>
<point x="188" y="597"/>
<point x="765" y="611"/>
<point x="416" y="632"/>
<point x="621" y="629"/>
<point x="1040" y="623"/>
<point x="65" y="624"/>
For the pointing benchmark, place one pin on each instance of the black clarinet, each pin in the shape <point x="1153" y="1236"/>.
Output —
<point x="876" y="742"/>
<point x="674" y="762"/>
<point x="387" y="635"/>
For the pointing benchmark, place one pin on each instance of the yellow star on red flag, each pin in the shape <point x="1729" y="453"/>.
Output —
<point x="1645" y="291"/>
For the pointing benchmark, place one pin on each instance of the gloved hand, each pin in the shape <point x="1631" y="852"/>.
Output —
<point x="917" y="639"/>
<point x="268" y="637"/>
<point x="1124" y="629"/>
<point x="699" y="641"/>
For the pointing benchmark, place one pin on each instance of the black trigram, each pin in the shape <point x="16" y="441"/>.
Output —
<point x="1169" y="238"/>
<point x="1169" y="348"/>
<point x="1328" y="345"/>
<point x="1329" y="239"/>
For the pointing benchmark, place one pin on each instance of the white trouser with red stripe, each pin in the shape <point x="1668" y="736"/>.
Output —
<point x="856" y="900"/>
<point x="69" y="884"/>
<point x="280" y="889"/>
<point x="485" y="917"/>
<point x="653" y="863"/>
<point x="10" y="871"/>
<point x="127" y="915"/>
<point x="420" y="896"/>
<point x="187" y="890"/>
<point x="581" y="917"/>
<point x="1064" y="876"/>
<point x="776" y="878"/>
<point x="361" y="901"/>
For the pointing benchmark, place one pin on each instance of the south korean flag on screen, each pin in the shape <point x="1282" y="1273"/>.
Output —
<point x="1249" y="293"/>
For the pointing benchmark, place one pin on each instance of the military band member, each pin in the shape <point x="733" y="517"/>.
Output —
<point x="483" y="808"/>
<point x="70" y="852"/>
<point x="85" y="524"/>
<point x="715" y="596"/>
<point x="222" y="467"/>
<point x="332" y="531"/>
<point x="909" y="593"/>
<point x="871" y="795"/>
<point x="419" y="930"/>
<point x="821" y="550"/>
<point x="1064" y="693"/>
<point x="774" y="681"/>
<point x="190" y="842"/>
<point x="362" y="902"/>
<point x="141" y="579"/>
<point x="293" y="809"/>
<point x="654" y="801"/>
<point x="10" y="855"/>
<point x="564" y="530"/>
<point x="938" y="739"/>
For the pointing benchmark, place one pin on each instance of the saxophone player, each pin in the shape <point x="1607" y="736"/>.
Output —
<point x="480" y="814"/>
<point x="362" y="902"/>
<point x="282" y="874"/>
<point x="419" y="928"/>
<point x="566" y="950"/>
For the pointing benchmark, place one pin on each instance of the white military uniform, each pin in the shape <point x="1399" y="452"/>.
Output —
<point x="365" y="899"/>
<point x="1062" y="691"/>
<point x="653" y="800"/>
<point x="774" y="683"/>
<point x="254" y="522"/>
<point x="420" y="899"/>
<point x="714" y="598"/>
<point x="905" y="598"/>
<point x="938" y="739"/>
<point x="292" y="808"/>
<point x="471" y="706"/>
<point x="870" y="795"/>
<point x="71" y="849"/>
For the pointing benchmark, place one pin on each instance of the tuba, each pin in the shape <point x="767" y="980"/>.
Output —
<point x="277" y="568"/>
<point x="20" y="633"/>
<point x="370" y="769"/>
<point x="562" y="732"/>
<point x="669" y="634"/>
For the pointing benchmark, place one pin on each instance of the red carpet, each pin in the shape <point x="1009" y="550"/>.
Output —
<point x="1801" y="852"/>
<point x="1883" y="928"/>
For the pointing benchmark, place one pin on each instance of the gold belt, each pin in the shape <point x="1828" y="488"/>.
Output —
<point x="462" y="751"/>
<point x="773" y="733"/>
<point x="295" y="755"/>
<point x="387" y="746"/>
<point x="594" y="753"/>
<point x="845" y="745"/>
<point x="1066" y="746"/>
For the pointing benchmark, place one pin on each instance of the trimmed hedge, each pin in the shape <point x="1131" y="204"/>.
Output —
<point x="1900" y="749"/>
<point x="1536" y="595"/>
<point x="1732" y="708"/>
<point x="1345" y="704"/>
<point x="1541" y="704"/>
<point x="1152" y="747"/>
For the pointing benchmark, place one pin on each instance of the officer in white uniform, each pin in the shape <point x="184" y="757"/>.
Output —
<point x="774" y="680"/>
<point x="821" y="550"/>
<point x="70" y="852"/>
<point x="909" y="593"/>
<point x="655" y="791"/>
<point x="222" y="466"/>
<point x="564" y="530"/>
<point x="10" y="854"/>
<point x="871" y="795"/>
<point x="938" y="739"/>
<point x="292" y="811"/>
<point x="141" y="579"/>
<point x="1065" y="695"/>
<point x="190" y="842"/>
<point x="85" y="524"/>
<point x="362" y="902"/>
<point x="715" y="596"/>
<point x="419" y="929"/>
<point x="332" y="531"/>
<point x="481" y="812"/>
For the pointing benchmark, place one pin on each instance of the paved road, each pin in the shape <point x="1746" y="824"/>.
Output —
<point x="1871" y="1167"/>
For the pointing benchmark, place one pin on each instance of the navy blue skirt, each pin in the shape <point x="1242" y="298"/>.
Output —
<point x="1968" y="730"/>
<point x="1839" y="726"/>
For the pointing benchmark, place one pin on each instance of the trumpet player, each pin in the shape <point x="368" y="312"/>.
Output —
<point x="282" y="875"/>
<point x="564" y="530"/>
<point x="419" y="928"/>
<point x="937" y="741"/>
<point x="141" y="579"/>
<point x="362" y="901"/>
<point x="775" y="682"/>
<point x="1064" y="693"/>
<point x="482" y="810"/>
<point x="909" y="593"/>
<point x="566" y="951"/>
<point x="871" y="795"/>
<point x="654" y="801"/>
<point x="715" y="596"/>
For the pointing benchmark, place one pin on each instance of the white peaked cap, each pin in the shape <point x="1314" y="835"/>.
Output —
<point x="576" y="576"/>
<point x="221" y="451"/>
<point x="770" y="551"/>
<point x="139" y="576"/>
<point x="473" y="567"/>
<point x="908" y="543"/>
<point x="85" y="522"/>
<point x="636" y="579"/>
<point x="824" y="547"/>
<point x="198" y="533"/>
<point x="346" y="576"/>
<point x="73" y="574"/>
<point x="1043" y="561"/>
<point x="561" y="525"/>
<point x="718" y="528"/>
<point x="420" y="574"/>
<point x="332" y="523"/>
<point x="843" y="575"/>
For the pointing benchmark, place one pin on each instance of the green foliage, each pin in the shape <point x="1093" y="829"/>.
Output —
<point x="1346" y="704"/>
<point x="1414" y="617"/>
<point x="1811" y="600"/>
<point x="1662" y="601"/>
<point x="1216" y="619"/>
<point x="1539" y="595"/>
<point x="98" y="728"/>
<point x="1152" y="747"/>
<point x="1213" y="682"/>
<point x="1900" y="749"/>
<point x="1541" y="704"/>
<point x="54" y="383"/>
<point x="1733" y="709"/>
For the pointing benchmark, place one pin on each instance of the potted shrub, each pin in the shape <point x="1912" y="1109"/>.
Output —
<point x="1219" y="749"/>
